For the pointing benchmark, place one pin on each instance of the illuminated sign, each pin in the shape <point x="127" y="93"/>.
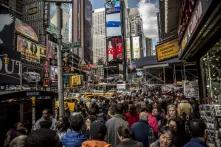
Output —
<point x="115" y="49"/>
<point x="167" y="50"/>
<point x="113" y="25"/>
<point x="29" y="50"/>
<point x="136" y="47"/>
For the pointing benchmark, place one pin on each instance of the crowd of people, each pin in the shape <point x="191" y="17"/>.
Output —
<point x="142" y="119"/>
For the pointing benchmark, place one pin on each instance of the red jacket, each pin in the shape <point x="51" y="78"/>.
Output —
<point x="131" y="119"/>
<point x="152" y="121"/>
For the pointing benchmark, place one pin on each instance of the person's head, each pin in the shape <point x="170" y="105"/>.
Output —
<point x="171" y="110"/>
<point x="18" y="141"/>
<point x="166" y="137"/>
<point x="98" y="130"/>
<point x="132" y="109"/>
<point x="76" y="121"/>
<point x="42" y="138"/>
<point x="155" y="112"/>
<point x="172" y="124"/>
<point x="149" y="108"/>
<point x="45" y="124"/>
<point x="198" y="128"/>
<point x="124" y="132"/>
<point x="46" y="114"/>
<point x="143" y="116"/>
<point x="119" y="109"/>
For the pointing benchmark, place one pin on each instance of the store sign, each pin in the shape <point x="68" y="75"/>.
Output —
<point x="10" y="66"/>
<point x="167" y="50"/>
<point x="33" y="10"/>
<point x="197" y="15"/>
<point x="29" y="50"/>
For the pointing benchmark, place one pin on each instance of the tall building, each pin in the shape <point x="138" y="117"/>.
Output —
<point x="168" y="25"/>
<point x="137" y="39"/>
<point x="81" y="27"/>
<point x="15" y="6"/>
<point x="148" y="42"/>
<point x="99" y="37"/>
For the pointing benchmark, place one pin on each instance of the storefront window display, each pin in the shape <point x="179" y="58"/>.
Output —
<point x="211" y="71"/>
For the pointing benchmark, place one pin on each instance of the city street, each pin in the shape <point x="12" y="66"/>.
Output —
<point x="110" y="73"/>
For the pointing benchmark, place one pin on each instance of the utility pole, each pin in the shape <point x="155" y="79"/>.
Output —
<point x="122" y="5"/>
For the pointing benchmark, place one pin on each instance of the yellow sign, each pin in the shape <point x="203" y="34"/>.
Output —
<point x="167" y="50"/>
<point x="75" y="80"/>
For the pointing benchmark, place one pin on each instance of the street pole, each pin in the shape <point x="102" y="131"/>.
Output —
<point x="20" y="71"/>
<point x="122" y="5"/>
<point x="59" y="63"/>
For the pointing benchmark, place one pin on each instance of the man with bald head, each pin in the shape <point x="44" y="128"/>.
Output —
<point x="141" y="129"/>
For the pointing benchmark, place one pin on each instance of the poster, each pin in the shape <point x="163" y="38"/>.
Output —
<point x="136" y="47"/>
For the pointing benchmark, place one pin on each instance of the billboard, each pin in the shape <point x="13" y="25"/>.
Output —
<point x="113" y="25"/>
<point x="128" y="48"/>
<point x="25" y="30"/>
<point x="75" y="80"/>
<point x="136" y="47"/>
<point x="114" y="7"/>
<point x="114" y="49"/>
<point x="167" y="50"/>
<point x="29" y="50"/>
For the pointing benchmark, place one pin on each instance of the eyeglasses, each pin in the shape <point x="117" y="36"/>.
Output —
<point x="165" y="137"/>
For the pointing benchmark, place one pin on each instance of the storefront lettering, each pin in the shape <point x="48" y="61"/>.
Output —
<point x="197" y="14"/>
<point x="11" y="67"/>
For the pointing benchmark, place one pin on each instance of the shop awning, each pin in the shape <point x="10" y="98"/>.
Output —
<point x="11" y="96"/>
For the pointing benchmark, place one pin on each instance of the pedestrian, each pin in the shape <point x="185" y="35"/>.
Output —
<point x="125" y="135"/>
<point x="198" y="132"/>
<point x="165" y="138"/>
<point x="132" y="116"/>
<point x="75" y="136"/>
<point x="97" y="134"/>
<point x="42" y="138"/>
<point x="18" y="141"/>
<point x="63" y="127"/>
<point x="113" y="124"/>
<point x="47" y="119"/>
<point x="141" y="130"/>
<point x="152" y="121"/>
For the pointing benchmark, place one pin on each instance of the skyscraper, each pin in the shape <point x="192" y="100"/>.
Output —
<point x="99" y="43"/>
<point x="81" y="25"/>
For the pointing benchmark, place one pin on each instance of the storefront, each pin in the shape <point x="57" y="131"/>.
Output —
<point x="201" y="43"/>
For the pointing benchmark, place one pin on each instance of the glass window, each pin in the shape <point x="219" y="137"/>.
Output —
<point x="211" y="70"/>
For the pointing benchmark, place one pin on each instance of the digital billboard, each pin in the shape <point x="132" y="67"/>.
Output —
<point x="113" y="25"/>
<point x="114" y="7"/>
<point x="136" y="47"/>
<point x="114" y="49"/>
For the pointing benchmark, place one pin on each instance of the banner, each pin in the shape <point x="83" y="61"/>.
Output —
<point x="115" y="49"/>
<point x="136" y="47"/>
<point x="167" y="50"/>
<point x="29" y="50"/>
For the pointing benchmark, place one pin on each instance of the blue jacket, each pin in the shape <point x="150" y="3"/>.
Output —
<point x="73" y="139"/>
<point x="141" y="131"/>
<point x="195" y="142"/>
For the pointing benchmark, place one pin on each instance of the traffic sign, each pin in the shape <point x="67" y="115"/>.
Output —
<point x="71" y="45"/>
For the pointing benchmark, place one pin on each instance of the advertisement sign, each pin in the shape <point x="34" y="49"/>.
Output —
<point x="75" y="80"/>
<point x="136" y="47"/>
<point x="128" y="48"/>
<point x="29" y="50"/>
<point x="25" y="30"/>
<point x="167" y="50"/>
<point x="54" y="74"/>
<point x="115" y="49"/>
<point x="113" y="25"/>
